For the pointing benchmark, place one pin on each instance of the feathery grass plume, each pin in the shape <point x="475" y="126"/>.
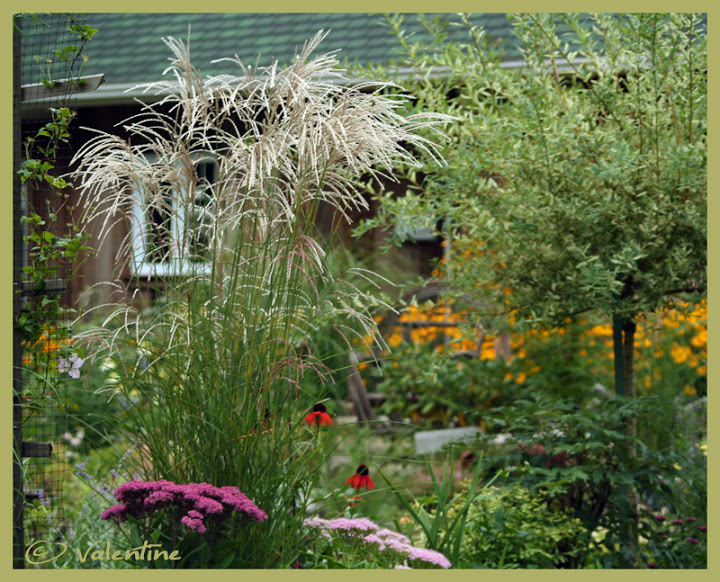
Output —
<point x="244" y="281"/>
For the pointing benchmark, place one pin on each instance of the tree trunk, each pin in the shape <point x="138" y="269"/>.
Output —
<point x="629" y="374"/>
<point x="629" y="357"/>
<point x="624" y="349"/>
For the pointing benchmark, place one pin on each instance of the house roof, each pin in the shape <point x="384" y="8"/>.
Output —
<point x="128" y="47"/>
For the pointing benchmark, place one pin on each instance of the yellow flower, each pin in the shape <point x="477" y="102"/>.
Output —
<point x="468" y="345"/>
<point x="700" y="340"/>
<point x="487" y="352"/>
<point x="690" y="390"/>
<point x="602" y="330"/>
<point x="671" y="321"/>
<point x="680" y="353"/>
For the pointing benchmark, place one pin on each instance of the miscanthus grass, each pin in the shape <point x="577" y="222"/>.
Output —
<point x="223" y="368"/>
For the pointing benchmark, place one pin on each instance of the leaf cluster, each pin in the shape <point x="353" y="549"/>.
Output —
<point x="583" y="460"/>
<point x="578" y="180"/>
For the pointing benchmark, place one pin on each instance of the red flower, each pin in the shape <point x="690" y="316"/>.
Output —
<point x="319" y="416"/>
<point x="360" y="478"/>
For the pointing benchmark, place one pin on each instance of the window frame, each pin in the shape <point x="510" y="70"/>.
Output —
<point x="140" y="234"/>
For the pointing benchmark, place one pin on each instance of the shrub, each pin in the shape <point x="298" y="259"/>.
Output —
<point x="584" y="462"/>
<point x="510" y="527"/>
<point x="674" y="543"/>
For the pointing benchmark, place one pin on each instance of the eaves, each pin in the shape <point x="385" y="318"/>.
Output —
<point x="128" y="93"/>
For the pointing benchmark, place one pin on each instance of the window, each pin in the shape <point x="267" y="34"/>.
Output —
<point x="170" y="236"/>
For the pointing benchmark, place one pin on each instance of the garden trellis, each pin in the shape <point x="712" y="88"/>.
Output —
<point x="47" y="64"/>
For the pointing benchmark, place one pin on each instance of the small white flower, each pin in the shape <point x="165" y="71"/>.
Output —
<point x="71" y="365"/>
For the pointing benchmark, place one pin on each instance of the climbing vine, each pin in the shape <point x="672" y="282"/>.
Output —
<point x="52" y="251"/>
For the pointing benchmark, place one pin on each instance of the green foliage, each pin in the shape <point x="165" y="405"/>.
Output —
<point x="94" y="412"/>
<point x="435" y="388"/>
<point x="509" y="527"/>
<point x="81" y="532"/>
<point x="442" y="515"/>
<point x="567" y="173"/>
<point x="672" y="542"/>
<point x="52" y="250"/>
<point x="583" y="460"/>
<point x="68" y="62"/>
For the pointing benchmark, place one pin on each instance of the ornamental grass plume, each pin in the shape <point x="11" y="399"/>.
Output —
<point x="247" y="286"/>
<point x="282" y="139"/>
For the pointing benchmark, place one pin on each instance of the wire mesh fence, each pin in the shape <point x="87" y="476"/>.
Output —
<point x="47" y="58"/>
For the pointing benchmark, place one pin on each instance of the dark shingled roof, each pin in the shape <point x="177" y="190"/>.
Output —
<point x="128" y="47"/>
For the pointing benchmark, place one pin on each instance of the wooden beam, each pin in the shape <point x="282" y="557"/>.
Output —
<point x="40" y="91"/>
<point x="356" y="391"/>
<point x="37" y="449"/>
<point x="48" y="287"/>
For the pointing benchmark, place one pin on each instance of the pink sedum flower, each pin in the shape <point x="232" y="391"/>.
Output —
<point x="429" y="556"/>
<point x="194" y="524"/>
<point x="199" y="501"/>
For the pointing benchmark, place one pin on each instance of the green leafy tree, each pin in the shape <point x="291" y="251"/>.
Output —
<point x="575" y="182"/>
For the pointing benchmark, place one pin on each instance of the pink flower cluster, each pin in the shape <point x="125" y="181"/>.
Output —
<point x="383" y="540"/>
<point x="198" y="501"/>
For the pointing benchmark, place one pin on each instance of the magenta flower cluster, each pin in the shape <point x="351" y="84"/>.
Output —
<point x="681" y="543"/>
<point x="390" y="543"/>
<point x="196" y="502"/>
